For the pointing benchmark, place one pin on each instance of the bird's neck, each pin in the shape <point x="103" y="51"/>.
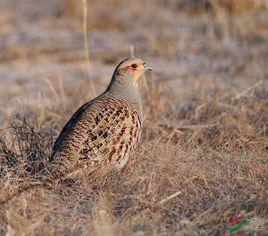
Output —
<point x="127" y="92"/>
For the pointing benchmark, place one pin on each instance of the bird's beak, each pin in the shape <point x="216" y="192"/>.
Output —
<point x="146" y="68"/>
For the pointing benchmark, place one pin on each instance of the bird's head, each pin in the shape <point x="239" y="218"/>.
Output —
<point x="130" y="70"/>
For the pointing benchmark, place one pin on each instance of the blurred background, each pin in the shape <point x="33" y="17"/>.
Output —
<point x="220" y="43"/>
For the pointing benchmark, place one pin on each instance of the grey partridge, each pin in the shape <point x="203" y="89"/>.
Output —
<point x="104" y="131"/>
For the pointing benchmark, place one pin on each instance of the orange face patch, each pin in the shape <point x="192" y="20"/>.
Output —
<point x="134" y="67"/>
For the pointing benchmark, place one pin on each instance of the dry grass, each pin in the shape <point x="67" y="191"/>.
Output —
<point x="203" y="155"/>
<point x="183" y="178"/>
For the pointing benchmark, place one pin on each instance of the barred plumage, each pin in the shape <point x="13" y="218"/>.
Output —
<point x="104" y="131"/>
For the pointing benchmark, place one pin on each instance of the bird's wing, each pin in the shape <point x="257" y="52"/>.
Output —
<point x="71" y="123"/>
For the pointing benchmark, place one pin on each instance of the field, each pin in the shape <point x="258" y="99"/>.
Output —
<point x="203" y="154"/>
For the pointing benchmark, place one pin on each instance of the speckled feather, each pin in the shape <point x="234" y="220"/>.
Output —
<point x="106" y="131"/>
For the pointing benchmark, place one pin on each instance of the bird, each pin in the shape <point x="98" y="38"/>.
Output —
<point x="103" y="132"/>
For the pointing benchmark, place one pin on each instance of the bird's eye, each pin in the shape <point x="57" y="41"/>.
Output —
<point x="134" y="66"/>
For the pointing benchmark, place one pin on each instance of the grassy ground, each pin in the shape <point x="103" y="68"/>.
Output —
<point x="203" y="154"/>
